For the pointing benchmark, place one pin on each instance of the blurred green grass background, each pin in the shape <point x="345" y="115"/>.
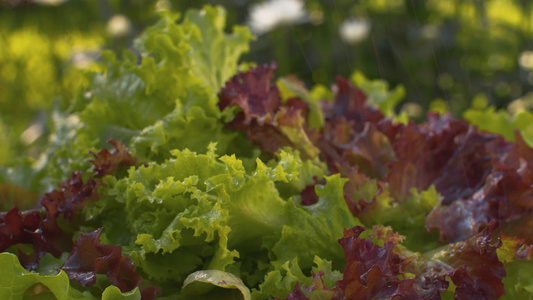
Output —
<point x="448" y="54"/>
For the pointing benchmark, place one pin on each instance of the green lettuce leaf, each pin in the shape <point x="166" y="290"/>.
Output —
<point x="516" y="256"/>
<point x="216" y="54"/>
<point x="281" y="281"/>
<point x="193" y="206"/>
<point x="19" y="283"/>
<point x="519" y="280"/>
<point x="375" y="204"/>
<point x="378" y="94"/>
<point x="181" y="68"/>
<point x="503" y="122"/>
<point x="290" y="87"/>
<point x="205" y="212"/>
<point x="215" y="284"/>
<point x="113" y="293"/>
<point x="310" y="232"/>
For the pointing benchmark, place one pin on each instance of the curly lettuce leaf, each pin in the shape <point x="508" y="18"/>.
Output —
<point x="503" y="122"/>
<point x="181" y="68"/>
<point x="376" y="205"/>
<point x="183" y="212"/>
<point x="267" y="121"/>
<point x="287" y="277"/>
<point x="34" y="234"/>
<point x="199" y="211"/>
<point x="378" y="266"/>
<point x="88" y="258"/>
<point x="379" y="94"/>
<point x="291" y="87"/>
<point x="191" y="129"/>
<point x="373" y="271"/>
<point x="350" y="137"/>
<point x="221" y="50"/>
<point x="506" y="186"/>
<point x="310" y="233"/>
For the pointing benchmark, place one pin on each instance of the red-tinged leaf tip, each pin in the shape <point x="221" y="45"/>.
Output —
<point x="72" y="195"/>
<point x="22" y="228"/>
<point x="458" y="160"/>
<point x="479" y="272"/>
<point x="465" y="286"/>
<point x="298" y="105"/>
<point x="470" y="165"/>
<point x="352" y="233"/>
<point x="291" y="116"/>
<point x="374" y="272"/>
<point x="297" y="294"/>
<point x="370" y="150"/>
<point x="309" y="292"/>
<point x="371" y="271"/>
<point x="106" y="162"/>
<point x="150" y="293"/>
<point x="354" y="192"/>
<point x="308" y="194"/>
<point x="386" y="234"/>
<point x="350" y="136"/>
<point x="350" y="103"/>
<point x="254" y="93"/>
<point x="269" y="124"/>
<point x="519" y="154"/>
<point x="497" y="188"/>
<point x="341" y="132"/>
<point x="513" y="247"/>
<point x="422" y="152"/>
<point x="70" y="198"/>
<point x="88" y="258"/>
<point x="318" y="282"/>
<point x="80" y="264"/>
<point x="44" y="233"/>
<point x="268" y="137"/>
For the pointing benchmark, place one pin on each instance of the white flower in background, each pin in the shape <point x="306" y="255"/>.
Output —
<point x="163" y="5"/>
<point x="354" y="30"/>
<point x="35" y="130"/>
<point x="429" y="32"/>
<point x="526" y="60"/>
<point x="82" y="59"/>
<point x="268" y="15"/>
<point x="118" y="25"/>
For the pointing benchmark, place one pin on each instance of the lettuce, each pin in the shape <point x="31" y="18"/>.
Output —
<point x="240" y="186"/>
<point x="504" y="122"/>
<point x="181" y="68"/>
<point x="204" y="282"/>
<point x="18" y="283"/>
<point x="201" y="211"/>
